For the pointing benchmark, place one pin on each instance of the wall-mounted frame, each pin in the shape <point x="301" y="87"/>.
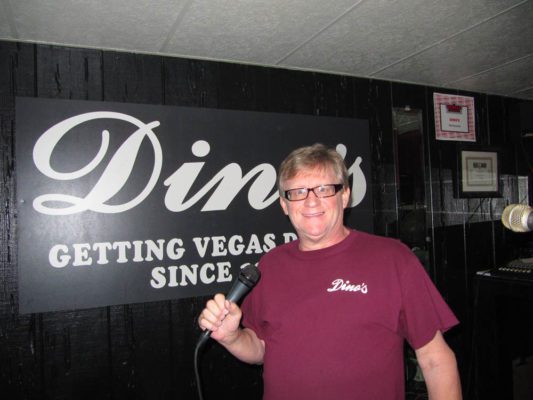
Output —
<point x="454" y="117"/>
<point x="478" y="172"/>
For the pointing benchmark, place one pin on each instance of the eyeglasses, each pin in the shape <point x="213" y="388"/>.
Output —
<point x="321" y="191"/>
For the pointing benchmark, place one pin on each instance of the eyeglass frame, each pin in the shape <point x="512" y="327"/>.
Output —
<point x="337" y="186"/>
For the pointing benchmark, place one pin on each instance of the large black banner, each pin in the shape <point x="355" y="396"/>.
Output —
<point x="125" y="203"/>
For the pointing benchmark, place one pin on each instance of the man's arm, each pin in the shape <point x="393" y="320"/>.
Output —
<point x="439" y="367"/>
<point x="223" y="318"/>
<point x="246" y="346"/>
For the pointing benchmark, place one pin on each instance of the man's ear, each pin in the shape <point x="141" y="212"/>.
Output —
<point x="283" y="205"/>
<point x="346" y="196"/>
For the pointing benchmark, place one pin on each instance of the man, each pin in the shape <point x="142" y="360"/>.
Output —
<point x="330" y="314"/>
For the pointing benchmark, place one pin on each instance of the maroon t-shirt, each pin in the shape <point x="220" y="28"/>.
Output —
<point x="334" y="320"/>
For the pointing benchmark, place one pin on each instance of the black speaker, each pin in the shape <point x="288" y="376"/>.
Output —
<point x="521" y="121"/>
<point x="521" y="134"/>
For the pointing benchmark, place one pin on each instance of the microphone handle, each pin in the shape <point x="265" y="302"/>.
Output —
<point x="237" y="292"/>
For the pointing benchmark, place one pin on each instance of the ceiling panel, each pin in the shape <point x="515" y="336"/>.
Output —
<point x="255" y="31"/>
<point x="503" y="39"/>
<point x="524" y="94"/>
<point x="5" y="20"/>
<point x="480" y="45"/>
<point x="116" y="24"/>
<point x="508" y="79"/>
<point x="379" y="33"/>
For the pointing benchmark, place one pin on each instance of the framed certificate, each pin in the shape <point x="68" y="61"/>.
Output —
<point x="454" y="117"/>
<point x="478" y="173"/>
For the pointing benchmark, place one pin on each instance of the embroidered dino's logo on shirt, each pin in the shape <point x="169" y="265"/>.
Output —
<point x="345" y="286"/>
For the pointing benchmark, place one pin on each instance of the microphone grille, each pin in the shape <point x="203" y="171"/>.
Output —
<point x="516" y="217"/>
<point x="249" y="275"/>
<point x="506" y="216"/>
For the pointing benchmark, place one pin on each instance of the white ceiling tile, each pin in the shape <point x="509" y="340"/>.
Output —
<point x="501" y="40"/>
<point x="6" y="31"/>
<point x="254" y="31"/>
<point x="472" y="45"/>
<point x="524" y="94"/>
<point x="118" y="24"/>
<point x="381" y="32"/>
<point x="504" y="80"/>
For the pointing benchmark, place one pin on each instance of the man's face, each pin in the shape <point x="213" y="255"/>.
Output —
<point x="318" y="221"/>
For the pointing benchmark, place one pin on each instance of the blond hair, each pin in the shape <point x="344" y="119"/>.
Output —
<point x="317" y="156"/>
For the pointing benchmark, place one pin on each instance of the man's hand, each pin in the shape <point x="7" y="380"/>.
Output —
<point x="222" y="318"/>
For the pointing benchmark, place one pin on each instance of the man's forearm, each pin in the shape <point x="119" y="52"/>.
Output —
<point x="442" y="378"/>
<point x="246" y="346"/>
<point x="439" y="368"/>
<point x="443" y="383"/>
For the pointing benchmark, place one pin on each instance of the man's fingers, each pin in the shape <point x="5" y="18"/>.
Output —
<point x="214" y="312"/>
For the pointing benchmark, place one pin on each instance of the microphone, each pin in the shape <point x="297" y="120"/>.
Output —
<point x="518" y="218"/>
<point x="246" y="280"/>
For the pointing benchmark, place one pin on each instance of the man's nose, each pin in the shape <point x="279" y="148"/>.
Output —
<point x="311" y="197"/>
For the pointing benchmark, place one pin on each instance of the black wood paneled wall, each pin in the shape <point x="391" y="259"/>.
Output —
<point x="145" y="351"/>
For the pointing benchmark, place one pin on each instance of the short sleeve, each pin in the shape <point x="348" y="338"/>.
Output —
<point x="424" y="311"/>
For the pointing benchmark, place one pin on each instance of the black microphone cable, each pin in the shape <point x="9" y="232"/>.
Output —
<point x="199" y="345"/>
<point x="246" y="280"/>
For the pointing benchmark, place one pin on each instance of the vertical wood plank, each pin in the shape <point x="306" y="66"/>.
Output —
<point x="383" y="168"/>
<point x="333" y="95"/>
<point x="290" y="92"/>
<point x="242" y="87"/>
<point x="69" y="73"/>
<point x="20" y="358"/>
<point x="132" y="78"/>
<point x="190" y="83"/>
